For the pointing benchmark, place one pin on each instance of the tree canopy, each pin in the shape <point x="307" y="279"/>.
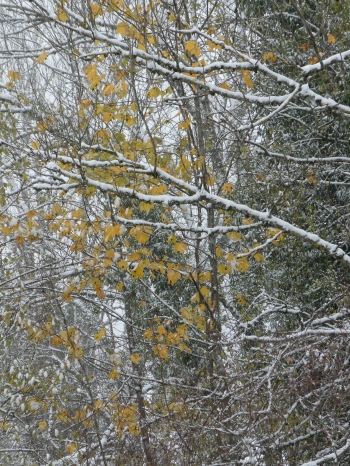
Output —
<point x="174" y="232"/>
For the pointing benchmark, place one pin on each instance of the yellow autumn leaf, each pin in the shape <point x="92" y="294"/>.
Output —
<point x="108" y="89"/>
<point x="180" y="247"/>
<point x="42" y="57"/>
<point x="61" y="15"/>
<point x="304" y="46"/>
<point x="182" y="330"/>
<point x="270" y="56"/>
<point x="146" y="206"/>
<point x="90" y="71"/>
<point x="56" y="340"/>
<point x="114" y="374"/>
<point x="35" y="145"/>
<point x="312" y="180"/>
<point x="161" y="351"/>
<point x="149" y="334"/>
<point x="76" y="352"/>
<point x="225" y="86"/>
<point x="135" y="358"/>
<point x="122" y="29"/>
<point x="42" y="425"/>
<point x="331" y="39"/>
<point x="212" y="46"/>
<point x="99" y="335"/>
<point x="71" y="448"/>
<point x="228" y="188"/>
<point x="241" y="301"/>
<point x="205" y="291"/>
<point x="242" y="264"/>
<point x="13" y="75"/>
<point x="184" y="347"/>
<point x="171" y="17"/>
<point x="161" y="330"/>
<point x="154" y="92"/>
<point x="184" y="124"/>
<point x="96" y="10"/>
<point x="138" y="272"/>
<point x="116" y="4"/>
<point x="259" y="257"/>
<point x="192" y="47"/>
<point x="158" y="190"/>
<point x="246" y="78"/>
<point x="313" y="60"/>
<point x="235" y="236"/>
<point x="247" y="221"/>
<point x="107" y="117"/>
<point x="119" y="286"/>
<point x="173" y="276"/>
<point x="78" y="213"/>
<point x="122" y="264"/>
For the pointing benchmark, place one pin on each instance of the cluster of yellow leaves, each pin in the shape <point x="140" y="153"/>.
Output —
<point x="164" y="337"/>
<point x="13" y="77"/>
<point x="126" y="417"/>
<point x="241" y="301"/>
<point x="96" y="10"/>
<point x="212" y="46"/>
<point x="271" y="232"/>
<point x="111" y="231"/>
<point x="92" y="76"/>
<point x="173" y="273"/>
<point x="40" y="334"/>
<point x="141" y="233"/>
<point x="69" y="338"/>
<point x="192" y="47"/>
<point x="194" y="316"/>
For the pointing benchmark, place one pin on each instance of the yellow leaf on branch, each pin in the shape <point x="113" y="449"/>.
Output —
<point x="35" y="145"/>
<point x="135" y="358"/>
<point x="180" y="247"/>
<point x="62" y="15"/>
<point x="114" y="374"/>
<point x="161" y="351"/>
<point x="246" y="78"/>
<point x="154" y="92"/>
<point x="158" y="190"/>
<point x="331" y="39"/>
<point x="122" y="29"/>
<point x="149" y="334"/>
<point x="269" y="56"/>
<point x="71" y="448"/>
<point x="42" y="57"/>
<point x="192" y="47"/>
<point x="99" y="335"/>
<point x="96" y="10"/>
<point x="42" y="425"/>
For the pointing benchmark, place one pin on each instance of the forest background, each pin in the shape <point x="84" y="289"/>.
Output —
<point x="174" y="229"/>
